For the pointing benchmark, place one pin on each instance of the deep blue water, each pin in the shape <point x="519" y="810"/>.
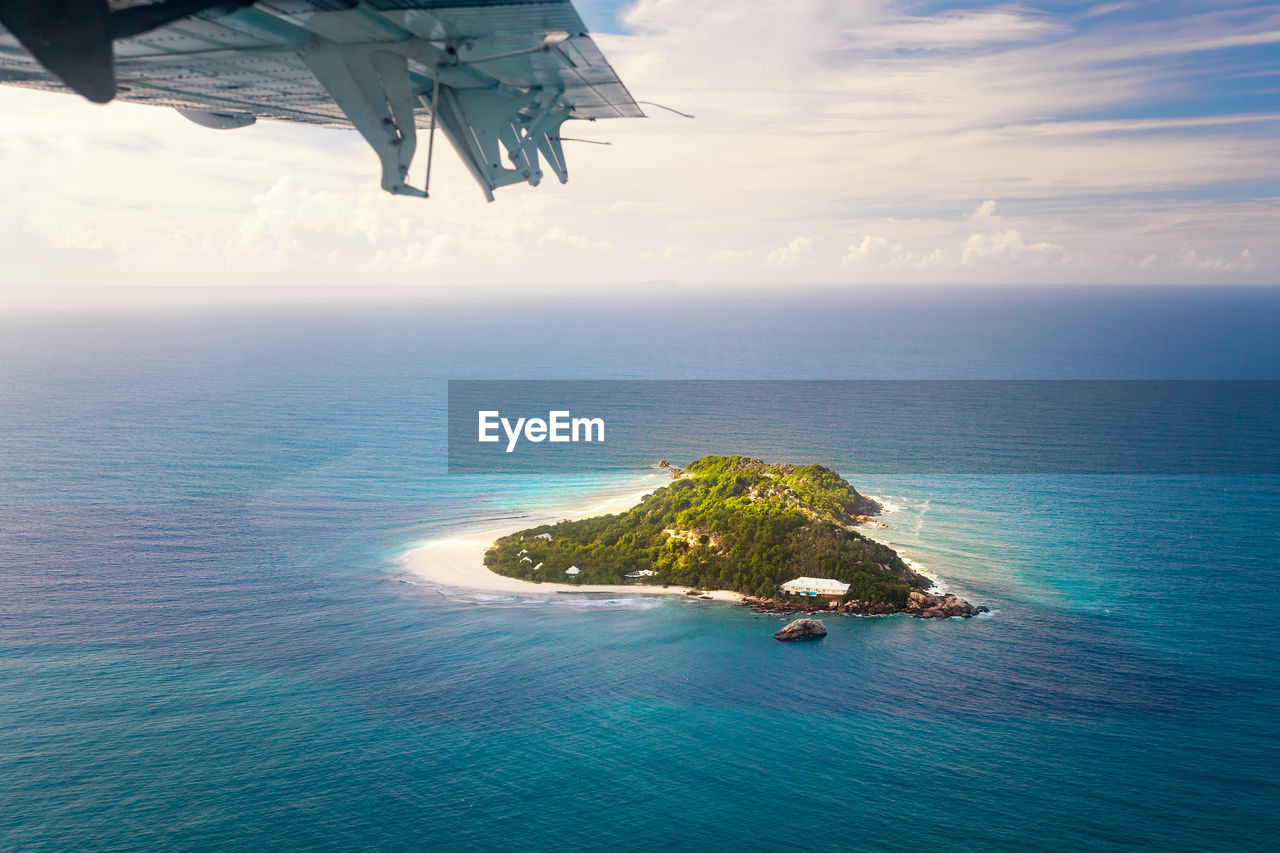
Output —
<point x="205" y="639"/>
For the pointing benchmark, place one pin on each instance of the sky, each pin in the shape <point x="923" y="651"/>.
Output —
<point x="851" y="143"/>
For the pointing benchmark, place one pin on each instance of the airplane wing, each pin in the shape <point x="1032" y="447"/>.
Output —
<point x="498" y="78"/>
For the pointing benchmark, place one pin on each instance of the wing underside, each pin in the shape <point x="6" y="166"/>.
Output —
<point x="497" y="78"/>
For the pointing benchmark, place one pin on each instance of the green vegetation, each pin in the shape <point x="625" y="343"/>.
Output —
<point x="729" y="523"/>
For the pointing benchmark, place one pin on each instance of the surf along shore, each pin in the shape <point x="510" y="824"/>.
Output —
<point x="457" y="560"/>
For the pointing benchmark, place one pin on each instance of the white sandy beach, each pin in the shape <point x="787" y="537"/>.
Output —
<point x="458" y="561"/>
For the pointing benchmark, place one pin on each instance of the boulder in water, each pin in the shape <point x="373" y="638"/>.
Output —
<point x="927" y="606"/>
<point x="802" y="629"/>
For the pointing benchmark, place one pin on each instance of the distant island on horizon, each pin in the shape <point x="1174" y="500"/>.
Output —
<point x="781" y="535"/>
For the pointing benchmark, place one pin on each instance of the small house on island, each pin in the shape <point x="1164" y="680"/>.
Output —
<point x="572" y="570"/>
<point x="815" y="587"/>
<point x="643" y="573"/>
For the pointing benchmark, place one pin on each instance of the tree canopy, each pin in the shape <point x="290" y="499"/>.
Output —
<point x="730" y="522"/>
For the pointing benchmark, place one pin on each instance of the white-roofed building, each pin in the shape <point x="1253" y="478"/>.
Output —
<point x="572" y="570"/>
<point x="815" y="587"/>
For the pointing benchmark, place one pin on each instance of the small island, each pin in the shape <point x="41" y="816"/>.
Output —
<point x="781" y="535"/>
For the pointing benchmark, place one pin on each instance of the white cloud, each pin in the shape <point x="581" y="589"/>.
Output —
<point x="997" y="250"/>
<point x="791" y="253"/>
<point x="1001" y="246"/>
<point x="955" y="29"/>
<point x="985" y="210"/>
<point x="1106" y="9"/>
<point x="557" y="234"/>
<point x="873" y="251"/>
<point x="1214" y="263"/>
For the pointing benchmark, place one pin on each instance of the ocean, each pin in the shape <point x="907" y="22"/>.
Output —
<point x="206" y="639"/>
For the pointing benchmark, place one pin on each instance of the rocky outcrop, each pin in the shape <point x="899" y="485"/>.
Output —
<point x="698" y="538"/>
<point x="675" y="471"/>
<point x="802" y="629"/>
<point x="927" y="606"/>
<point x="922" y="605"/>
<point x="854" y="607"/>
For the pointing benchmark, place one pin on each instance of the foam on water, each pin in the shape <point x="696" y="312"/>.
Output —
<point x="938" y="586"/>
<point x="584" y="600"/>
<point x="887" y="505"/>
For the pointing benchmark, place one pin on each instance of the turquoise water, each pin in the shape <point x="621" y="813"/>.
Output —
<point x="205" y="639"/>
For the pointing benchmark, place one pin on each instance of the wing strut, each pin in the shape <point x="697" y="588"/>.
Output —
<point x="431" y="134"/>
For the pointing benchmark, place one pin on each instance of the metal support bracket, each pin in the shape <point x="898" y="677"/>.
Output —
<point x="488" y="124"/>
<point x="371" y="85"/>
<point x="528" y="135"/>
<point x="493" y="126"/>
